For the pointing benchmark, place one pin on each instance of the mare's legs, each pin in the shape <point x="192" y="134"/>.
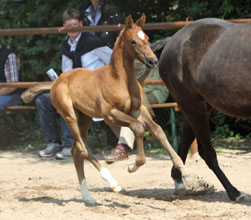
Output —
<point x="186" y="140"/>
<point x="197" y="113"/>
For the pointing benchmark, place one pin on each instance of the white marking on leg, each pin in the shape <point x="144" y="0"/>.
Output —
<point x="141" y="35"/>
<point x="132" y="167"/>
<point x="243" y="197"/>
<point x="179" y="186"/>
<point x="86" y="195"/>
<point x="106" y="175"/>
<point x="180" y="189"/>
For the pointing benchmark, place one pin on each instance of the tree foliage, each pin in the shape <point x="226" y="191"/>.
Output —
<point x="38" y="53"/>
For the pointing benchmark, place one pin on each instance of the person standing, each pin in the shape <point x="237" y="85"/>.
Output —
<point x="102" y="12"/>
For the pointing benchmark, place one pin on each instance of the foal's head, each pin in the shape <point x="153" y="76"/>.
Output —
<point x="136" y="42"/>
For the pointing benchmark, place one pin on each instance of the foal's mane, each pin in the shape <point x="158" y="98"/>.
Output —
<point x="117" y="45"/>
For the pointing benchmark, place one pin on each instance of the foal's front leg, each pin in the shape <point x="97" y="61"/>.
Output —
<point x="158" y="132"/>
<point x="84" y="123"/>
<point x="119" y="118"/>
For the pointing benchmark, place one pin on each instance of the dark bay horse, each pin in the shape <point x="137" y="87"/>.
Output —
<point x="113" y="93"/>
<point x="206" y="65"/>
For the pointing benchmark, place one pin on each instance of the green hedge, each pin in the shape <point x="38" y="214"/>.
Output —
<point x="38" y="53"/>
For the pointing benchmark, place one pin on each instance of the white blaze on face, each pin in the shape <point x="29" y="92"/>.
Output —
<point x="141" y="35"/>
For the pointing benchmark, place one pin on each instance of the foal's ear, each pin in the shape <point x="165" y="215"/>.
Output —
<point x="129" y="22"/>
<point x="141" y="21"/>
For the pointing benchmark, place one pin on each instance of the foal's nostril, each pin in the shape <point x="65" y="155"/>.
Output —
<point x="152" y="61"/>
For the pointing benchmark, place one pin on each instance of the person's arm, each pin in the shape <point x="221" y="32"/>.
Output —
<point x="11" y="69"/>
<point x="156" y="93"/>
<point x="6" y="90"/>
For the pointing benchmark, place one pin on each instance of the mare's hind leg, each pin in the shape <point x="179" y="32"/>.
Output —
<point x="186" y="140"/>
<point x="197" y="115"/>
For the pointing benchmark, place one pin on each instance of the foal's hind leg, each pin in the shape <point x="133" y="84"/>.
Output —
<point x="80" y="151"/>
<point x="79" y="160"/>
<point x="84" y="123"/>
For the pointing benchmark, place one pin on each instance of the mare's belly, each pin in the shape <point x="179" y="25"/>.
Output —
<point x="236" y="108"/>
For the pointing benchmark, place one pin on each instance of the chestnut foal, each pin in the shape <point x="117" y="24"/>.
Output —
<point x="113" y="93"/>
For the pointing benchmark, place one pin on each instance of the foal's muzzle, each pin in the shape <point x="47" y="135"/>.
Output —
<point x="151" y="62"/>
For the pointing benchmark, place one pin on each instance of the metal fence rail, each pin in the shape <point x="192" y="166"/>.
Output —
<point x="62" y="30"/>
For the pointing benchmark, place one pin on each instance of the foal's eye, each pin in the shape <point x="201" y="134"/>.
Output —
<point x="133" y="42"/>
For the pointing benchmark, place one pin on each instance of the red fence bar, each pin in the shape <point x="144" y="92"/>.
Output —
<point x="62" y="30"/>
<point x="30" y="84"/>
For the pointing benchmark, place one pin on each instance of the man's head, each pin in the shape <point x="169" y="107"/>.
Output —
<point x="72" y="18"/>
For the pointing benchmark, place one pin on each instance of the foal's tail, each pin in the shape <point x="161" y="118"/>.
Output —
<point x="29" y="94"/>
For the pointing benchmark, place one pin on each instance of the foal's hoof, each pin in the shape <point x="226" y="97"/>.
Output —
<point x="132" y="168"/>
<point x="243" y="198"/>
<point x="116" y="188"/>
<point x="90" y="202"/>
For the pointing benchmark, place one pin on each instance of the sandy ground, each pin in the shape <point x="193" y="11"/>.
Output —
<point x="34" y="188"/>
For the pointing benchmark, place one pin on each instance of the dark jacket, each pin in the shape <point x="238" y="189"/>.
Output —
<point x="86" y="43"/>
<point x="4" y="53"/>
<point x="112" y="16"/>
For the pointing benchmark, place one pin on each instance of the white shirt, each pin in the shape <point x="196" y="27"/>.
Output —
<point x="91" y="60"/>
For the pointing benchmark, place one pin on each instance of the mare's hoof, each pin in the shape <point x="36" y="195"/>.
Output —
<point x="180" y="189"/>
<point x="243" y="198"/>
<point x="180" y="192"/>
<point x="197" y="186"/>
<point x="116" y="188"/>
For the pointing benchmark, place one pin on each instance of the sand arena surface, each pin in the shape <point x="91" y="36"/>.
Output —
<point x="34" y="188"/>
